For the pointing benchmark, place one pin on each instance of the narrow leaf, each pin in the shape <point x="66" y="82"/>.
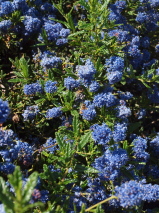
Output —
<point x="29" y="187"/>
<point x="16" y="178"/>
<point x="5" y="196"/>
<point x="85" y="139"/>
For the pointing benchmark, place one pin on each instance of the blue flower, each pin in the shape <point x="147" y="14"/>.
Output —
<point x="50" y="62"/>
<point x="89" y="113"/>
<point x="142" y="17"/>
<point x="157" y="48"/>
<point x="64" y="32"/>
<point x="130" y="194"/>
<point x="32" y="25"/>
<point x="96" y="192"/>
<point x="5" y="25"/>
<point x="119" y="133"/>
<point x="61" y="41"/>
<point x="47" y="7"/>
<point x="2" y="210"/>
<point x="121" y="35"/>
<point x="20" y="5"/>
<point x="104" y="99"/>
<point x="101" y="134"/>
<point x="115" y="67"/>
<point x="52" y="30"/>
<point x="38" y="195"/>
<point x="4" y="111"/>
<point x="6" y="138"/>
<point x="141" y="113"/>
<point x="109" y="164"/>
<point x="115" y="15"/>
<point x="51" y="144"/>
<point x="134" y="51"/>
<point x="154" y="3"/>
<point x="154" y="145"/>
<point x="136" y="41"/>
<point x="71" y="83"/>
<point x="114" y="63"/>
<point x="6" y="7"/>
<point x="23" y="148"/>
<point x="146" y="55"/>
<point x="120" y="4"/>
<point x="50" y="86"/>
<point x="140" y="146"/>
<point x="53" y="113"/>
<point x="145" y="41"/>
<point x="94" y="86"/>
<point x="123" y="111"/>
<point x="125" y="96"/>
<point x="86" y="71"/>
<point x="30" y="112"/>
<point x="7" y="168"/>
<point x="32" y="89"/>
<point x="114" y="77"/>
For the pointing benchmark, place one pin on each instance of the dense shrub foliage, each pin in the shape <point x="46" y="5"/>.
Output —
<point x="79" y="95"/>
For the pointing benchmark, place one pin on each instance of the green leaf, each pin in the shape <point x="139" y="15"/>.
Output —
<point x="84" y="140"/>
<point x="69" y="151"/>
<point x="91" y="170"/>
<point x="41" y="100"/>
<point x="24" y="67"/>
<point x="85" y="4"/>
<point x="29" y="187"/>
<point x="17" y="80"/>
<point x="134" y="126"/>
<point x="16" y="178"/>
<point x="75" y="125"/>
<point x="5" y="196"/>
<point x="62" y="22"/>
<point x="33" y="205"/>
<point x="75" y="34"/>
<point x="59" y="140"/>
<point x="125" y="145"/>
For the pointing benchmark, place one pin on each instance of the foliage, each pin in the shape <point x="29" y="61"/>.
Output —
<point x="79" y="87"/>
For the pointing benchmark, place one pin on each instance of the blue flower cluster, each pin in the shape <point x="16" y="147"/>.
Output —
<point x="50" y="62"/>
<point x="89" y="113"/>
<point x="32" y="89"/>
<point x="132" y="193"/>
<point x="4" y="111"/>
<point x="71" y="83"/>
<point x="39" y="195"/>
<point x="140" y="146"/>
<point x="5" y="25"/>
<point x="105" y="99"/>
<point x="50" y="86"/>
<point x="32" y="25"/>
<point x="123" y="111"/>
<point x="154" y="145"/>
<point x="56" y="33"/>
<point x="119" y="133"/>
<point x="115" y="67"/>
<point x="101" y="133"/>
<point x="137" y="48"/>
<point x="13" y="149"/>
<point x="30" y="112"/>
<point x="109" y="163"/>
<point x="55" y="112"/>
<point x="33" y="21"/>
<point x="50" y="145"/>
<point x="86" y="72"/>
